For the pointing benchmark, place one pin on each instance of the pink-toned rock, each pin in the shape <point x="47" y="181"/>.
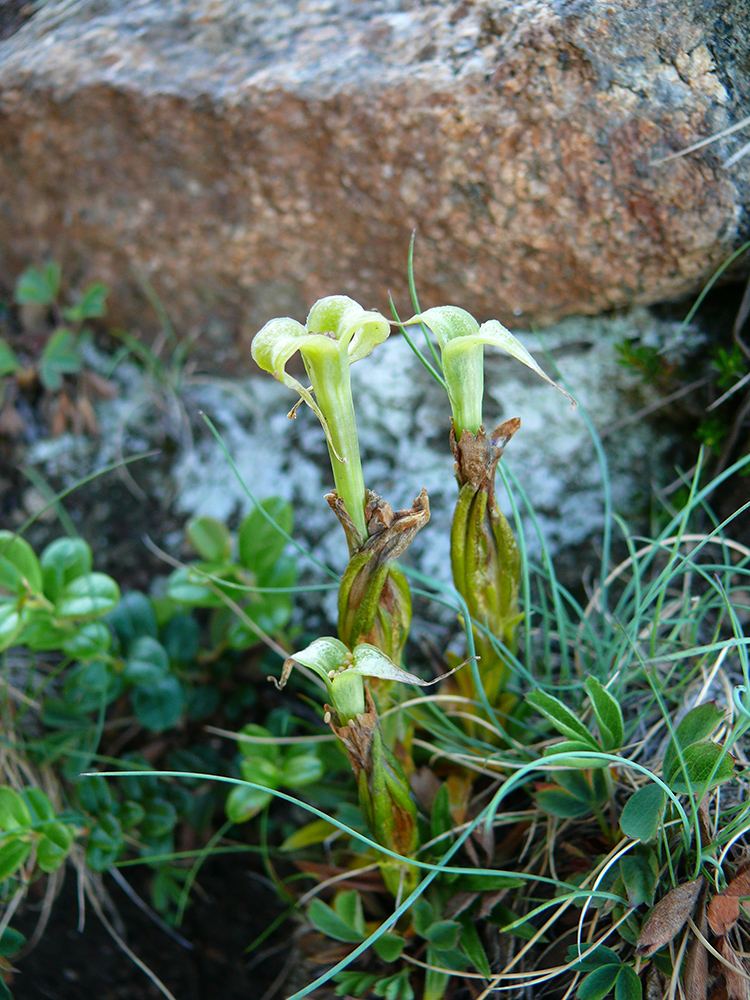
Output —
<point x="247" y="157"/>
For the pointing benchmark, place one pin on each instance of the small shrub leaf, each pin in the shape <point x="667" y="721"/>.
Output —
<point x="260" y="543"/>
<point x="443" y="934"/>
<point x="159" y="705"/>
<point x="88" y="596"/>
<point x="39" y="285"/>
<point x="697" y="725"/>
<point x="598" y="984"/>
<point x="558" y="802"/>
<point x="388" y="947"/>
<point x="643" y="813"/>
<point x="561" y="717"/>
<point x="14" y="813"/>
<point x="133" y="616"/>
<point x="210" y="538"/>
<point x="41" y="809"/>
<point x="8" y="360"/>
<point x="105" y="843"/>
<point x="599" y="957"/>
<point x="608" y="714"/>
<point x="639" y="871"/>
<point x="328" y="922"/>
<point x="706" y="765"/>
<point x="348" y="906"/>
<point x="54" y="847"/>
<point x="60" y="356"/>
<point x="12" y="856"/>
<point x="62" y="561"/>
<point x="628" y="985"/>
<point x="20" y="570"/>
<point x="243" y="803"/>
<point x="147" y="661"/>
<point x="91" y="305"/>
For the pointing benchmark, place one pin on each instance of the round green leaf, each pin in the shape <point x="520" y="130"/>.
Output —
<point x="40" y="807"/>
<point x="643" y="812"/>
<point x="14" y="813"/>
<point x="598" y="984"/>
<point x="181" y="638"/>
<point x="12" y="856"/>
<point x="54" y="846"/>
<point x="210" y="539"/>
<point x="134" y="616"/>
<point x="62" y="561"/>
<point x="11" y="624"/>
<point x="88" y="596"/>
<point x="261" y="771"/>
<point x="20" y="570"/>
<point x="298" y="771"/>
<point x="443" y="934"/>
<point x="160" y="705"/>
<point x="105" y="843"/>
<point x="90" y="640"/>
<point x="253" y="748"/>
<point x="146" y="662"/>
<point x="243" y="803"/>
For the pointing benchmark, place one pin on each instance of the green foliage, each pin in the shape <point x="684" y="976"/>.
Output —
<point x="61" y="354"/>
<point x="248" y="570"/>
<point x="272" y="766"/>
<point x="107" y="656"/>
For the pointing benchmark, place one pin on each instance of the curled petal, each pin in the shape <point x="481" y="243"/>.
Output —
<point x="460" y="338"/>
<point x="323" y="656"/>
<point x="494" y="334"/>
<point x="344" y="320"/>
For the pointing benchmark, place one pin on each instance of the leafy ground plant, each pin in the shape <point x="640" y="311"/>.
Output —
<point x="91" y="675"/>
<point x="57" y="368"/>
<point x="558" y="809"/>
<point x="569" y="816"/>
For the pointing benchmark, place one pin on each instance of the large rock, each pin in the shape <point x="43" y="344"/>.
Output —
<point x="247" y="157"/>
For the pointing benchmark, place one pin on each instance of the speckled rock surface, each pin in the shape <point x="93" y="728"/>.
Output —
<point x="248" y="157"/>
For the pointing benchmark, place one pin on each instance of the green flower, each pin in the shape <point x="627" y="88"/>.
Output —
<point x="344" y="672"/>
<point x="462" y="342"/>
<point x="337" y="333"/>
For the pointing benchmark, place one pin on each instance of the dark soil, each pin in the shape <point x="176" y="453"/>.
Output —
<point x="231" y="908"/>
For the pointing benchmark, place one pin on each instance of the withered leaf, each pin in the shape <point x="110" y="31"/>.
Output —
<point x="695" y="976"/>
<point x="668" y="917"/>
<point x="723" y="913"/>
<point x="735" y="974"/>
<point x="740" y="884"/>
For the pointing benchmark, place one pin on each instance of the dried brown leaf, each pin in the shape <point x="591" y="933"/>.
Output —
<point x="723" y="913"/>
<point x="735" y="973"/>
<point x="668" y="917"/>
<point x="740" y="884"/>
<point x="695" y="975"/>
<point x="11" y="422"/>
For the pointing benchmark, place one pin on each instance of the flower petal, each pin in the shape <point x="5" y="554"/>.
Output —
<point x="494" y="334"/>
<point x="361" y="330"/>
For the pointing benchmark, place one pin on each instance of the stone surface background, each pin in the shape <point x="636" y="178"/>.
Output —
<point x="246" y="158"/>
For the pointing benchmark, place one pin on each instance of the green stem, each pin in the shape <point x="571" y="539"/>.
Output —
<point x="331" y="382"/>
<point x="464" y="378"/>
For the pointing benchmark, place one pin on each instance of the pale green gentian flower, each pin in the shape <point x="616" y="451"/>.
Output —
<point x="344" y="671"/>
<point x="462" y="340"/>
<point x="337" y="333"/>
